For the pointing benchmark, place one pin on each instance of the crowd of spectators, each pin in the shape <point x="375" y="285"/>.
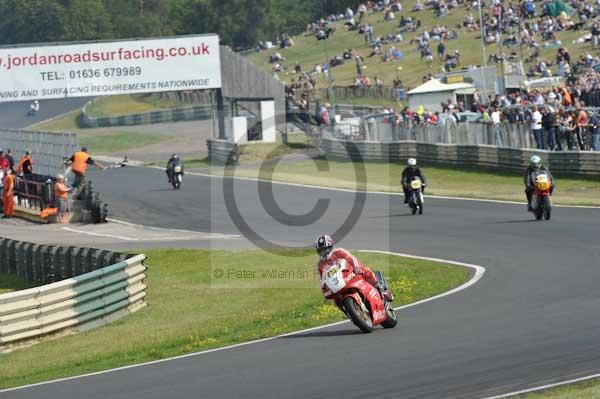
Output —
<point x="559" y="116"/>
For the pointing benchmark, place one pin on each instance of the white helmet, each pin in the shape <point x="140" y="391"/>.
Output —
<point x="36" y="102"/>
<point x="535" y="162"/>
<point x="412" y="162"/>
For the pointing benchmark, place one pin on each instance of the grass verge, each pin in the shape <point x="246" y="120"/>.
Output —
<point x="583" y="390"/>
<point x="444" y="181"/>
<point x="66" y="123"/>
<point x="125" y="105"/>
<point x="10" y="283"/>
<point x="120" y="141"/>
<point x="188" y="313"/>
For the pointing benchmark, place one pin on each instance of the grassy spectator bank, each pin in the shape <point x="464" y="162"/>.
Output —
<point x="308" y="51"/>
<point x="191" y="310"/>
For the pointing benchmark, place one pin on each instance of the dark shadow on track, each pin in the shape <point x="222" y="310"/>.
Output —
<point x="317" y="334"/>
<point x="397" y="215"/>
<point x="514" y="221"/>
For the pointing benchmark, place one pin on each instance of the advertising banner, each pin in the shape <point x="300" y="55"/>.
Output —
<point x="109" y="68"/>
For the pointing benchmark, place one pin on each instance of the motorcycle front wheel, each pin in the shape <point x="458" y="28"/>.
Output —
<point x="539" y="212"/>
<point x="391" y="320"/>
<point x="547" y="208"/>
<point x="358" y="317"/>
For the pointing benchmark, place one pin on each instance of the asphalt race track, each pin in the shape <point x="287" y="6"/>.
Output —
<point x="531" y="320"/>
<point x="14" y="115"/>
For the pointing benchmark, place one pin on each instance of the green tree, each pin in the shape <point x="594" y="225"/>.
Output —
<point x="30" y="21"/>
<point x="86" y="20"/>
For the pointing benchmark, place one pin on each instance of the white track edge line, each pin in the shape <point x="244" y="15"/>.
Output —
<point x="347" y="190"/>
<point x="100" y="234"/>
<point x="479" y="272"/>
<point x="544" y="387"/>
<point x="212" y="235"/>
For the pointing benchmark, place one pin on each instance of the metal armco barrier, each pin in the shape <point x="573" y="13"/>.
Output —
<point x="382" y="128"/>
<point x="80" y="303"/>
<point x="221" y="151"/>
<point x="48" y="149"/>
<point x="199" y="112"/>
<point x="44" y="264"/>
<point x="514" y="159"/>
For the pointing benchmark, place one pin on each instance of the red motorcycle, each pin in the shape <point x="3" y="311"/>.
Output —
<point x="362" y="303"/>
<point x="541" y="203"/>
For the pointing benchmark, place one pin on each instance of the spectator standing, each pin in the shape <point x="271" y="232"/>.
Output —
<point x="324" y="115"/>
<point x="497" y="123"/>
<point x="549" y="124"/>
<point x="61" y="194"/>
<point x="595" y="130"/>
<point x="11" y="160"/>
<point x="536" y="128"/>
<point x="8" y="193"/>
<point x="4" y="162"/>
<point x="3" y="168"/>
<point x="441" y="50"/>
<point x="25" y="165"/>
<point x="582" y="123"/>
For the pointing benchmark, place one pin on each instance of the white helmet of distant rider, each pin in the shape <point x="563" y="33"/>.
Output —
<point x="535" y="162"/>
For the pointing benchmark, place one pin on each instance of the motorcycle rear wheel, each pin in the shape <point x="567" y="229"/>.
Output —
<point x="356" y="315"/>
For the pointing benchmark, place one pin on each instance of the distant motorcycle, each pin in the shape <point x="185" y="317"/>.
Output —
<point x="358" y="299"/>
<point x="119" y="164"/>
<point x="541" y="203"/>
<point x="33" y="108"/>
<point x="177" y="176"/>
<point x="415" y="199"/>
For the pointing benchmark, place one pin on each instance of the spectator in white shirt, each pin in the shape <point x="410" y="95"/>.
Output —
<point x="497" y="122"/>
<point x="536" y="128"/>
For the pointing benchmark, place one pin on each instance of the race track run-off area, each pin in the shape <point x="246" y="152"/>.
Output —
<point x="530" y="321"/>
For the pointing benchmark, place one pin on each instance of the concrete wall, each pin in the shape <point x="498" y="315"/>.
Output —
<point x="512" y="159"/>
<point x="241" y="78"/>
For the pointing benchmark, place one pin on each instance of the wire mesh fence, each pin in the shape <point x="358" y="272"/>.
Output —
<point x="48" y="149"/>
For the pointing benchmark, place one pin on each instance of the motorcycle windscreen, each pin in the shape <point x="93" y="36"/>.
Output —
<point x="333" y="278"/>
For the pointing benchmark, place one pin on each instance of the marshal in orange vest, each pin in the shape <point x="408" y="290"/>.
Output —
<point x="79" y="164"/>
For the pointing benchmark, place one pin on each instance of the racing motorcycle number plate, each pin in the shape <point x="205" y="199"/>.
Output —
<point x="415" y="184"/>
<point x="177" y="169"/>
<point x="542" y="182"/>
<point x="333" y="278"/>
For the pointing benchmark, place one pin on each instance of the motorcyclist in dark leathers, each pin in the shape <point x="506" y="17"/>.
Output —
<point x="408" y="174"/>
<point x="173" y="161"/>
<point x="534" y="169"/>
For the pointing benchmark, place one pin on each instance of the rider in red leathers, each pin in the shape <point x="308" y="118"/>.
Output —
<point x="329" y="255"/>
